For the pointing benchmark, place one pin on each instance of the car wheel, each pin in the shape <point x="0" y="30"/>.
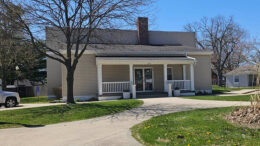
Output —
<point x="10" y="102"/>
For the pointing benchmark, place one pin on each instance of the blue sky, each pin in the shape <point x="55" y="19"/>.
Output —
<point x="172" y="15"/>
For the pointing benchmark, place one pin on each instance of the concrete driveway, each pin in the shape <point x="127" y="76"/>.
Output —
<point x="240" y="92"/>
<point x="112" y="130"/>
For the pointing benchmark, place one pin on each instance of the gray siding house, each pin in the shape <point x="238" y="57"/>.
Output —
<point x="244" y="76"/>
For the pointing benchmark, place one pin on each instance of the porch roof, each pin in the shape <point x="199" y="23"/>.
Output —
<point x="176" y="55"/>
<point x="102" y="49"/>
<point x="110" y="60"/>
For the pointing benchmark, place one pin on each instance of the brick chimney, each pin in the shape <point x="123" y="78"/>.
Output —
<point x="142" y="30"/>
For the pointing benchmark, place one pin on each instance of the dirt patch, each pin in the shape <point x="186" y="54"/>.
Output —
<point x="247" y="117"/>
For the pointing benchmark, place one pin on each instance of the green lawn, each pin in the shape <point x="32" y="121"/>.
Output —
<point x="34" y="117"/>
<point x="219" y="90"/>
<point x="40" y="99"/>
<point x="198" y="127"/>
<point x="224" y="98"/>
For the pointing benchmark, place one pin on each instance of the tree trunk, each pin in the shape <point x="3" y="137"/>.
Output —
<point x="220" y="76"/>
<point x="4" y="83"/>
<point x="4" y="79"/>
<point x="70" y="82"/>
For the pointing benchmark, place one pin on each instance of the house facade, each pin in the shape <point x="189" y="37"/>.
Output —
<point x="244" y="76"/>
<point x="150" y="60"/>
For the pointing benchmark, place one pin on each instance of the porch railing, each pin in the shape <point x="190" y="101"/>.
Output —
<point x="181" y="84"/>
<point x="115" y="87"/>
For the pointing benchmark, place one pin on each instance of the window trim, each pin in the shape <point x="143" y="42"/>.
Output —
<point x="234" y="79"/>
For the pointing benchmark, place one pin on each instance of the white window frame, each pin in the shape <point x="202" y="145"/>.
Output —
<point x="234" y="79"/>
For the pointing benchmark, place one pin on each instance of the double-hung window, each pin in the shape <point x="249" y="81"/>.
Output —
<point x="236" y="79"/>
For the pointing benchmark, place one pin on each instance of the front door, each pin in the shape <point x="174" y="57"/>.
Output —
<point x="144" y="79"/>
<point x="139" y="79"/>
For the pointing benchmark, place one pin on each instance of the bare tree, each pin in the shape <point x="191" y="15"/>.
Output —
<point x="76" y="19"/>
<point x="238" y="57"/>
<point x="222" y="36"/>
<point x="254" y="53"/>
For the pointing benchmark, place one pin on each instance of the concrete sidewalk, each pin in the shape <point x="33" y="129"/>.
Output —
<point x="112" y="130"/>
<point x="23" y="106"/>
<point x="240" y="92"/>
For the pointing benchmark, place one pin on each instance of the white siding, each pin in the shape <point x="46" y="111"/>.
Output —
<point x="243" y="81"/>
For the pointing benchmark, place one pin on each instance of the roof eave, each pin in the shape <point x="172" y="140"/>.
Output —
<point x="94" y="52"/>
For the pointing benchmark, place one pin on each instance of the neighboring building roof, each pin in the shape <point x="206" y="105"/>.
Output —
<point x="24" y="82"/>
<point x="243" y="70"/>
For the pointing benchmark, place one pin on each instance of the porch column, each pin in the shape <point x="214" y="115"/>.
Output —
<point x="131" y="80"/>
<point x="99" y="77"/>
<point x="192" y="76"/>
<point x="184" y="71"/>
<point x="165" y="77"/>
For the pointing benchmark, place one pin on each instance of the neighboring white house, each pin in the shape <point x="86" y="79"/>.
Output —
<point x="244" y="76"/>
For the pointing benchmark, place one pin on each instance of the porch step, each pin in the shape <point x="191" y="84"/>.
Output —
<point x="103" y="98"/>
<point x="187" y="93"/>
<point x="151" y="95"/>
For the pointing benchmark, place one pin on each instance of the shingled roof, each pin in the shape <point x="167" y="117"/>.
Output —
<point x="243" y="70"/>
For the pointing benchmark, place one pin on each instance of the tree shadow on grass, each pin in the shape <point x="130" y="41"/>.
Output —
<point x="21" y="124"/>
<point x="41" y="116"/>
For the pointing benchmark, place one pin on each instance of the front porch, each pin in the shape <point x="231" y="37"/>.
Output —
<point x="144" y="75"/>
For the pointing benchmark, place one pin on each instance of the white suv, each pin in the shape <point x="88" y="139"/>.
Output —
<point x="9" y="99"/>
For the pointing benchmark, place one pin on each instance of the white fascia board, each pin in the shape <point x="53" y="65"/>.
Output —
<point x="200" y="53"/>
<point x="143" y="60"/>
<point x="64" y="52"/>
<point x="94" y="52"/>
<point x="73" y="51"/>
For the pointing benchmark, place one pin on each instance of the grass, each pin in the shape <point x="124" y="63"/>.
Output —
<point x="40" y="116"/>
<point x="198" y="127"/>
<point x="223" y="98"/>
<point x="220" y="90"/>
<point x="40" y="99"/>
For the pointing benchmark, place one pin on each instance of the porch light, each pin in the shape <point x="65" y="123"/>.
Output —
<point x="17" y="68"/>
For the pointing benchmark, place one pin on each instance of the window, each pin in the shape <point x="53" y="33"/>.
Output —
<point x="236" y="79"/>
<point x="169" y="73"/>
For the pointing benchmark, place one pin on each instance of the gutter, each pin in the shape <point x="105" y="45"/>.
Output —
<point x="95" y="52"/>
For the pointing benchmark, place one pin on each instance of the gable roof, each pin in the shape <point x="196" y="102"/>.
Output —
<point x="243" y="70"/>
<point x="128" y="37"/>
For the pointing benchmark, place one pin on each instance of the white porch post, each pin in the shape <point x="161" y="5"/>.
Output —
<point x="192" y="76"/>
<point x="99" y="76"/>
<point x="165" y="77"/>
<point x="184" y="71"/>
<point x="131" y="80"/>
<point x="170" y="90"/>
<point x="134" y="91"/>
